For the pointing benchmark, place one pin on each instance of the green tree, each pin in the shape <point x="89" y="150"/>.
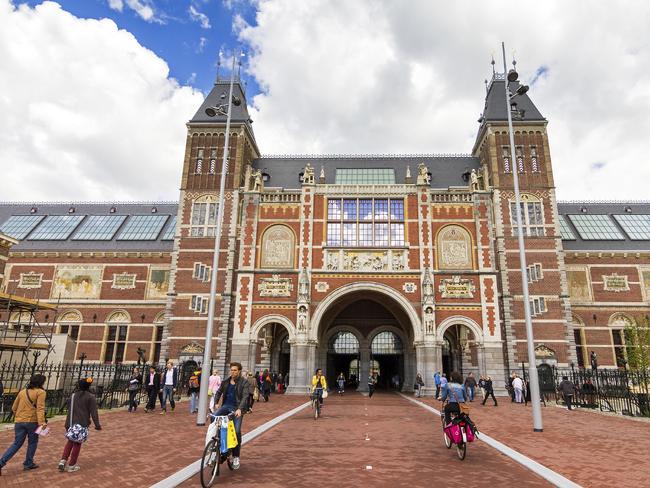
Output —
<point x="637" y="344"/>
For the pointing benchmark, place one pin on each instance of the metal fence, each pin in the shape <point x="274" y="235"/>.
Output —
<point x="110" y="383"/>
<point x="608" y="390"/>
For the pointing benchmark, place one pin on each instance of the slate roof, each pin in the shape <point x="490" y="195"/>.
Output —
<point x="85" y="209"/>
<point x="239" y="113"/>
<point x="604" y="208"/>
<point x="446" y="170"/>
<point x="495" y="105"/>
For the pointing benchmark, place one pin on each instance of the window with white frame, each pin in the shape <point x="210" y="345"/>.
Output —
<point x="534" y="272"/>
<point x="115" y="343"/>
<point x="365" y="222"/>
<point x="537" y="306"/>
<point x="199" y="304"/>
<point x="532" y="216"/>
<point x="198" y="165"/>
<point x="204" y="216"/>
<point x="201" y="272"/>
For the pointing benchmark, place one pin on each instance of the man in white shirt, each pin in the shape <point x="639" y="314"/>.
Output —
<point x="168" y="387"/>
<point x="518" y="386"/>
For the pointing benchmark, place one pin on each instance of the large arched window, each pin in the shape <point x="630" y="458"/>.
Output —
<point x="344" y="343"/>
<point x="69" y="323"/>
<point x="204" y="216"/>
<point x="386" y="342"/>
<point x="532" y="216"/>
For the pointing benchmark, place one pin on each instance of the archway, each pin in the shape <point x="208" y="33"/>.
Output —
<point x="363" y="325"/>
<point x="461" y="341"/>
<point x="271" y="346"/>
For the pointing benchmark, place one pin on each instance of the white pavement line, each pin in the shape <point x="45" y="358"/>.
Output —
<point x="549" y="475"/>
<point x="188" y="471"/>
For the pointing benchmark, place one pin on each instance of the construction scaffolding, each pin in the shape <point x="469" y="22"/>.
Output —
<point x="23" y="339"/>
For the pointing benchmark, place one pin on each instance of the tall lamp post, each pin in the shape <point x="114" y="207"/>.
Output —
<point x="533" y="379"/>
<point x="221" y="109"/>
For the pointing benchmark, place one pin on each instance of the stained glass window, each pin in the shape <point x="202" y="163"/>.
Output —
<point x="56" y="227"/>
<point x="596" y="227"/>
<point x="18" y="226"/>
<point x="99" y="228"/>
<point x="142" y="228"/>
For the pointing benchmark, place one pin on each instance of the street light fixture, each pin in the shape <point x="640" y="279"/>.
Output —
<point x="513" y="76"/>
<point x="220" y="109"/>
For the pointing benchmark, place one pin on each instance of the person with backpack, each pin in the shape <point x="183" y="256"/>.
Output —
<point x="81" y="408"/>
<point x="266" y="385"/>
<point x="134" y="387"/>
<point x="29" y="409"/>
<point x="193" y="387"/>
<point x="470" y="386"/>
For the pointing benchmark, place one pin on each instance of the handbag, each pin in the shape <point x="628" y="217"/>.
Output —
<point x="232" y="435"/>
<point x="76" y="432"/>
<point x="325" y="393"/>
<point x="256" y="394"/>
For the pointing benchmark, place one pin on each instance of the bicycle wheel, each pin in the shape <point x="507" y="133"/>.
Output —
<point x="461" y="450"/>
<point x="445" y="436"/>
<point x="210" y="463"/>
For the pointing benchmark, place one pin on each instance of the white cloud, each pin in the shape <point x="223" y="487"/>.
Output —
<point x="116" y="5"/>
<point x="87" y="112"/>
<point x="203" y="41"/>
<point x="372" y="77"/>
<point x="199" y="17"/>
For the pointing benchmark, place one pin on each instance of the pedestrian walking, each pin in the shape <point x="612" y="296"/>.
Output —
<point x="594" y="360"/>
<point x="470" y="386"/>
<point x="372" y="382"/>
<point x="340" y="383"/>
<point x="266" y="385"/>
<point x="214" y="382"/>
<point x="518" y="387"/>
<point x="152" y="385"/>
<point x="29" y="412"/>
<point x="443" y="381"/>
<point x="193" y="388"/>
<point x="567" y="389"/>
<point x="510" y="388"/>
<point x="134" y="387"/>
<point x="481" y="385"/>
<point x="82" y="407"/>
<point x="489" y="390"/>
<point x="252" y="389"/>
<point x="168" y="383"/>
<point x="419" y="384"/>
<point x="436" y="380"/>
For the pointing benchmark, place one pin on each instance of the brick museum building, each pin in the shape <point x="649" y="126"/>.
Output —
<point x="401" y="264"/>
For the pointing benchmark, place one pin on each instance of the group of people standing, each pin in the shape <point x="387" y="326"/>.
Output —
<point x="31" y="423"/>
<point x="469" y="385"/>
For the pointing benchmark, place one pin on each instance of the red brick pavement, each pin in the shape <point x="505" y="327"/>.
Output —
<point x="405" y="449"/>
<point x="590" y="449"/>
<point x="132" y="450"/>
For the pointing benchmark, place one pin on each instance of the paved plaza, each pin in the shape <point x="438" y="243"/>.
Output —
<point x="400" y="441"/>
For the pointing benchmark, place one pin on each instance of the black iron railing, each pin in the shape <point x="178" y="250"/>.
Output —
<point x="608" y="390"/>
<point x="110" y="384"/>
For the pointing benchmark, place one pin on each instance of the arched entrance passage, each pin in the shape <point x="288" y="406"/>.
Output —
<point x="461" y="341"/>
<point x="343" y="357"/>
<point x="365" y="310"/>
<point x="387" y="359"/>
<point x="271" y="337"/>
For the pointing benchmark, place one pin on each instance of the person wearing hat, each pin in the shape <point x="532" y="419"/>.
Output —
<point x="81" y="408"/>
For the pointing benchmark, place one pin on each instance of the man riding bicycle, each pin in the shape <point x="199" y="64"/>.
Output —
<point x="235" y="391"/>
<point x="453" y="393"/>
<point x="318" y="384"/>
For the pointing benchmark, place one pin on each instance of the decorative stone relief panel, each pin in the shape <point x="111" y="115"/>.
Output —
<point x="30" y="280"/>
<point x="123" y="281"/>
<point x="322" y="286"/>
<point x="409" y="287"/>
<point x="454" y="248"/>
<point x="348" y="260"/>
<point x="616" y="283"/>
<point x="275" y="287"/>
<point x="579" y="289"/>
<point x="278" y="244"/>
<point x="456" y="287"/>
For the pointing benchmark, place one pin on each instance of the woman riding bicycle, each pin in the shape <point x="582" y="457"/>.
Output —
<point x="318" y="384"/>
<point x="453" y="393"/>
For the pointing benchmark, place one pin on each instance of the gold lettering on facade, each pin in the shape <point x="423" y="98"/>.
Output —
<point x="275" y="287"/>
<point x="615" y="283"/>
<point x="123" y="281"/>
<point x="456" y="287"/>
<point x="30" y="280"/>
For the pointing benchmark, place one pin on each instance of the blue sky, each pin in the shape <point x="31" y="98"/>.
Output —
<point x="189" y="46"/>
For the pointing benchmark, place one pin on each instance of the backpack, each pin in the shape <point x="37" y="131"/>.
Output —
<point x="194" y="381"/>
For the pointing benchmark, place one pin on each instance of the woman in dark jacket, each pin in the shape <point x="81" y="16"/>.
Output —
<point x="81" y="408"/>
<point x="134" y="387"/>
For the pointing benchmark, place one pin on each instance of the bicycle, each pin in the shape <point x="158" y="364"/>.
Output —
<point x="462" y="421"/>
<point x="212" y="457"/>
<point x="315" y="402"/>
